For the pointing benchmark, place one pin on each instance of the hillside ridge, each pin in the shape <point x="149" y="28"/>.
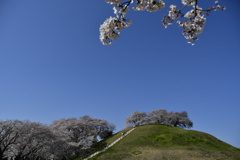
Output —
<point x="156" y="142"/>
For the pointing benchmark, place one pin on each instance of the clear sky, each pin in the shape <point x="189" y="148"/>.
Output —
<point x="53" y="65"/>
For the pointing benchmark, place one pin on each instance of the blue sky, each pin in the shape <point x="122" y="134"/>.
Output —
<point x="53" y="65"/>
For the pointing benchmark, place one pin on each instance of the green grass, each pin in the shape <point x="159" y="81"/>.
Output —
<point x="160" y="142"/>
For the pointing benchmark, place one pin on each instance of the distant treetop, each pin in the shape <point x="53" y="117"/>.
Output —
<point x="160" y="116"/>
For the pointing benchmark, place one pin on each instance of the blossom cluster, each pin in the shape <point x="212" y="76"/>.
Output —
<point x="188" y="2"/>
<point x="192" y="26"/>
<point x="195" y="22"/>
<point x="113" y="1"/>
<point x="149" y="5"/>
<point x="110" y="29"/>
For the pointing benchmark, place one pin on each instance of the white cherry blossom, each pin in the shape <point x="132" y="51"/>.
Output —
<point x="113" y="1"/>
<point x="172" y="12"/>
<point x="140" y="7"/>
<point x="193" y="24"/>
<point x="110" y="29"/>
<point x="189" y="2"/>
<point x="154" y="5"/>
<point x="116" y="10"/>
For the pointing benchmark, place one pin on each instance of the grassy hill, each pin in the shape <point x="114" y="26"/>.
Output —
<point x="160" y="142"/>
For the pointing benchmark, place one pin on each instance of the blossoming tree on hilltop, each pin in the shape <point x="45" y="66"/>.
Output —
<point x="192" y="26"/>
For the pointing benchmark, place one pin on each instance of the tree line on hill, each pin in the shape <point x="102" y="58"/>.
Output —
<point x="63" y="139"/>
<point x="160" y="116"/>
<point x="71" y="138"/>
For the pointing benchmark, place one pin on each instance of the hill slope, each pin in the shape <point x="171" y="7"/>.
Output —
<point x="160" y="142"/>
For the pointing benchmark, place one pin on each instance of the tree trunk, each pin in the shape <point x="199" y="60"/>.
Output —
<point x="175" y="125"/>
<point x="18" y="157"/>
<point x="1" y="155"/>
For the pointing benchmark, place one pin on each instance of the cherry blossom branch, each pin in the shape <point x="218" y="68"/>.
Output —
<point x="110" y="29"/>
<point x="196" y="8"/>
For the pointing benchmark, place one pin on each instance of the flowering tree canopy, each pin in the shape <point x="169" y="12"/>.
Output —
<point x="160" y="116"/>
<point x="76" y="135"/>
<point x="8" y="135"/>
<point x="136" y="118"/>
<point x="63" y="139"/>
<point x="192" y="25"/>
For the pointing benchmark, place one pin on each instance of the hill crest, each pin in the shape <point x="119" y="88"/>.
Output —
<point x="155" y="142"/>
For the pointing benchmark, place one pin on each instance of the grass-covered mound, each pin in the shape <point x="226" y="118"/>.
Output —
<point x="160" y="142"/>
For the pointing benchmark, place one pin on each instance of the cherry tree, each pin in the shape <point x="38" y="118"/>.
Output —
<point x="179" y="119"/>
<point x="101" y="126"/>
<point x="158" y="116"/>
<point x="136" y="118"/>
<point x="76" y="135"/>
<point x="8" y="135"/>
<point x="33" y="138"/>
<point x="68" y="138"/>
<point x="193" y="23"/>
